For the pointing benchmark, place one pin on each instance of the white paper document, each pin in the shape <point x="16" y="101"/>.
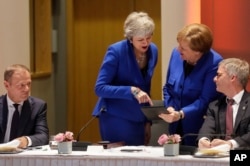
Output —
<point x="9" y="146"/>
<point x="218" y="151"/>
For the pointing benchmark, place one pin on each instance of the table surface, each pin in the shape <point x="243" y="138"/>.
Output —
<point x="97" y="156"/>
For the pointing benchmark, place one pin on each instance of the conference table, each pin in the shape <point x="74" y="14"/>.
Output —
<point x="97" y="156"/>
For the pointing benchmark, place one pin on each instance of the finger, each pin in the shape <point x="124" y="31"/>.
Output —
<point x="165" y="117"/>
<point x="150" y="102"/>
<point x="216" y="143"/>
<point x="204" y="144"/>
<point x="162" y="116"/>
<point x="170" y="110"/>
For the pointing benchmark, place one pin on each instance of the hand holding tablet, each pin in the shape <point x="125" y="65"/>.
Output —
<point x="152" y="112"/>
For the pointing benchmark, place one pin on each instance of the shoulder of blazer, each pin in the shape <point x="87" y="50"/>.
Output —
<point x="120" y="48"/>
<point x="123" y="44"/>
<point x="2" y="100"/>
<point x="2" y="97"/>
<point x="32" y="100"/>
<point x="245" y="98"/>
<point x="153" y="47"/>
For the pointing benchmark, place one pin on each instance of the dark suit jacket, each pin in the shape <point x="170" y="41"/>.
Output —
<point x="215" y="122"/>
<point x="33" y="120"/>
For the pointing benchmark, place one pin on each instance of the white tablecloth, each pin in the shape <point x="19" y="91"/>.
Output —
<point x="109" y="157"/>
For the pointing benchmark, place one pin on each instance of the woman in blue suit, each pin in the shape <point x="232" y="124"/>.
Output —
<point x="189" y="86"/>
<point x="124" y="82"/>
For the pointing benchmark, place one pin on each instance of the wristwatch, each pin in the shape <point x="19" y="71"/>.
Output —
<point x="180" y="114"/>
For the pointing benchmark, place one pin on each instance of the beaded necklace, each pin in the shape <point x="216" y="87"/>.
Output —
<point x="141" y="58"/>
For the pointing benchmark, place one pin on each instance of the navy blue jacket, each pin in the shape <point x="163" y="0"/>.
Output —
<point x="33" y="120"/>
<point x="192" y="93"/>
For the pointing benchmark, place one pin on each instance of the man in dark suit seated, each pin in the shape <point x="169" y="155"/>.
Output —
<point x="22" y="116"/>
<point x="228" y="122"/>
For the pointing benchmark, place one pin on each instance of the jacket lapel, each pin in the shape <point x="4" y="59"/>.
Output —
<point x="222" y="114"/>
<point x="242" y="110"/>
<point x="25" y="115"/>
<point x="3" y="116"/>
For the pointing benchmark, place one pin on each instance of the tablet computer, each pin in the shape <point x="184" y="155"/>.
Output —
<point x="152" y="112"/>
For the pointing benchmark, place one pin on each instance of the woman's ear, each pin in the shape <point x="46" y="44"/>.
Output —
<point x="130" y="39"/>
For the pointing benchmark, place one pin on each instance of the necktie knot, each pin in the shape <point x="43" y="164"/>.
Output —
<point x="230" y="101"/>
<point x="16" y="106"/>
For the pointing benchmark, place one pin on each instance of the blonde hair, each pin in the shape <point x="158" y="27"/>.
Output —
<point x="199" y="37"/>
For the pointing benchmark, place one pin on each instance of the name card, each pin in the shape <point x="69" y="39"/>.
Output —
<point x="95" y="148"/>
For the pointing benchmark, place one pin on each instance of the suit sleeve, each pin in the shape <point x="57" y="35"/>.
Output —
<point x="209" y="125"/>
<point x="41" y="131"/>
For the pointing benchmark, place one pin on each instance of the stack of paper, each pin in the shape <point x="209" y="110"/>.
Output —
<point x="10" y="147"/>
<point x="218" y="151"/>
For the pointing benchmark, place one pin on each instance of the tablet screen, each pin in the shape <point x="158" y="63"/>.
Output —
<point x="152" y="112"/>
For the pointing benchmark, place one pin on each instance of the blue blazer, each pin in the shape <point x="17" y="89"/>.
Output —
<point x="193" y="93"/>
<point x="120" y="71"/>
<point x="33" y="121"/>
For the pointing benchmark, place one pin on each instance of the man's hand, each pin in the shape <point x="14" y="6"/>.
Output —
<point x="204" y="143"/>
<point x="23" y="142"/>
<point x="217" y="142"/>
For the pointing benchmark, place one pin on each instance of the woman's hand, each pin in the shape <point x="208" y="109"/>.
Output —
<point x="141" y="96"/>
<point x="171" y="116"/>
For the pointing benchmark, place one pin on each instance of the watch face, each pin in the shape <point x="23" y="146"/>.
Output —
<point x="180" y="114"/>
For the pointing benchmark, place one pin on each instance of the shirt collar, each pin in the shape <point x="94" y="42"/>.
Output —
<point x="237" y="97"/>
<point x="10" y="102"/>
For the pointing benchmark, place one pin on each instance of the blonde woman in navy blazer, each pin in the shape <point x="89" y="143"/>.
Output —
<point x="124" y="82"/>
<point x="189" y="86"/>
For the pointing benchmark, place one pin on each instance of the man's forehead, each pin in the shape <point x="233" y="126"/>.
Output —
<point x="221" y="68"/>
<point x="21" y="74"/>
